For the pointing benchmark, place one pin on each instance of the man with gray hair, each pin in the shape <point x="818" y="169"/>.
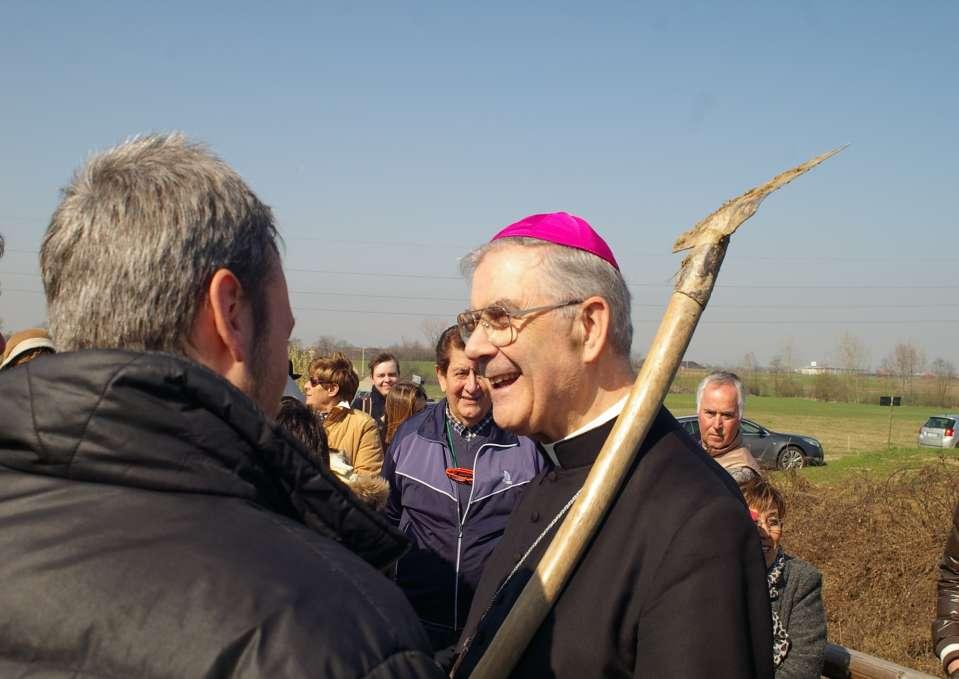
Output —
<point x="719" y="405"/>
<point x="157" y="521"/>
<point x="674" y="584"/>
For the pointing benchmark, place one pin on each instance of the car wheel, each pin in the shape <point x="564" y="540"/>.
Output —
<point x="791" y="457"/>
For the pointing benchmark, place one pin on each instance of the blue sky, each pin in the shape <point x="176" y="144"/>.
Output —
<point x="390" y="138"/>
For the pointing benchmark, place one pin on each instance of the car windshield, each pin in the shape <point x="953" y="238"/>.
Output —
<point x="940" y="423"/>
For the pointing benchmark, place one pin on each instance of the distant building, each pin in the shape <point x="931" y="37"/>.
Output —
<point x="814" y="368"/>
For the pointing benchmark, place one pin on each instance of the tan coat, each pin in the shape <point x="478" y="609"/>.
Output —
<point x="738" y="458"/>
<point x="358" y="438"/>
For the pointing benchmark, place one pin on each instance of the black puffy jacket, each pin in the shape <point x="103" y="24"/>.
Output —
<point x="153" y="523"/>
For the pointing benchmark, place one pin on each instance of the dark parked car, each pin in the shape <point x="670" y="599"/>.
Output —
<point x="771" y="449"/>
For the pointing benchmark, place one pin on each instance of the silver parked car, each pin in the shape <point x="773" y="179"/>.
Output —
<point x="771" y="449"/>
<point x="940" y="431"/>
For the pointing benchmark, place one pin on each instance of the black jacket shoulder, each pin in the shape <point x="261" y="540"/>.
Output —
<point x="157" y="524"/>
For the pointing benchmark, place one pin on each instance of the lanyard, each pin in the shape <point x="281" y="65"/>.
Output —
<point x="456" y="473"/>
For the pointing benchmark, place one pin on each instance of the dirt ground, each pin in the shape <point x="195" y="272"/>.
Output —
<point x="878" y="543"/>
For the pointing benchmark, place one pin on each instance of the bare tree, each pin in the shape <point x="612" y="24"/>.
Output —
<point x="945" y="372"/>
<point x="904" y="362"/>
<point x="327" y="344"/>
<point x="749" y="372"/>
<point x="432" y="329"/>
<point x="781" y="368"/>
<point x="301" y="357"/>
<point x="853" y="357"/>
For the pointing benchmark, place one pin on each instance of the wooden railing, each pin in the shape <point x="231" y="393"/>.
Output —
<point x="845" y="663"/>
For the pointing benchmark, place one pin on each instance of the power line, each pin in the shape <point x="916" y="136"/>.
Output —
<point x="734" y="286"/>
<point x="705" y="321"/>
<point x="466" y="248"/>
<point x="713" y="307"/>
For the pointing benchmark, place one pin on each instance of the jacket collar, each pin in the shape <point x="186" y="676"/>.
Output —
<point x="160" y="422"/>
<point x="433" y="427"/>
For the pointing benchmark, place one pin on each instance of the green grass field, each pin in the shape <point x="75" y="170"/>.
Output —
<point x="853" y="435"/>
<point x="843" y="428"/>
<point x="880" y="464"/>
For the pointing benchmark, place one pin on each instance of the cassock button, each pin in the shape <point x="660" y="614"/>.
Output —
<point x="551" y="476"/>
<point x="517" y="556"/>
<point x="534" y="517"/>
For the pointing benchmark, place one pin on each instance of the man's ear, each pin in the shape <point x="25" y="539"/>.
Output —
<point x="441" y="378"/>
<point x="222" y="330"/>
<point x="595" y="321"/>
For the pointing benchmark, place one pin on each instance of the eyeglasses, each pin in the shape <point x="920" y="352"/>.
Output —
<point x="315" y="382"/>
<point x="497" y="321"/>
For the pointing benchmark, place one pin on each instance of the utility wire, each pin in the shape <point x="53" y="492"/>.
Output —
<point x="733" y="286"/>
<point x="712" y="307"/>
<point x="463" y="248"/>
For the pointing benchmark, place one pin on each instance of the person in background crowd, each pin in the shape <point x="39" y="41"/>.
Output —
<point x="795" y="589"/>
<point x="157" y="521"/>
<point x="719" y="404"/>
<point x="673" y="584"/>
<point x="25" y="346"/>
<point x="306" y="426"/>
<point x="945" y="628"/>
<point x="404" y="400"/>
<point x="353" y="433"/>
<point x="454" y="476"/>
<point x="384" y="372"/>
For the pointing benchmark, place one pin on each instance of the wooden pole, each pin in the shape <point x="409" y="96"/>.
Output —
<point x="892" y="399"/>
<point x="695" y="280"/>
<point x="845" y="663"/>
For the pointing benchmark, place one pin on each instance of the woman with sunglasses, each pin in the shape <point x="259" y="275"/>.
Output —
<point x="329" y="390"/>
<point x="795" y="590"/>
<point x="454" y="476"/>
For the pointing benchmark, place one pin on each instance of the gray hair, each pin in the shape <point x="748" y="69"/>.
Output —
<point x="136" y="238"/>
<point x="721" y="378"/>
<point x="573" y="274"/>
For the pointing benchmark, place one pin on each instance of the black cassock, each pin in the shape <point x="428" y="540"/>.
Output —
<point x="673" y="585"/>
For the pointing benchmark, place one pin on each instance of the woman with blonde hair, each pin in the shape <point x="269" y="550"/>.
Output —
<point x="404" y="400"/>
<point x="331" y="386"/>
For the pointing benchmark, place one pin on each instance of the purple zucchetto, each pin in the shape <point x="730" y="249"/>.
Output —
<point x="561" y="228"/>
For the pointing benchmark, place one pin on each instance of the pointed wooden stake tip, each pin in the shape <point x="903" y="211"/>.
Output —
<point x="731" y="214"/>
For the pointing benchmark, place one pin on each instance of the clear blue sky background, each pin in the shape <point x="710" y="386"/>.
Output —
<point x="392" y="137"/>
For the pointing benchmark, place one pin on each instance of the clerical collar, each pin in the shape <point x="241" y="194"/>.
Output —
<point x="610" y="413"/>
<point x="467" y="432"/>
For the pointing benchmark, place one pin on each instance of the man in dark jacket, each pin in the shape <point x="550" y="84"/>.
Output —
<point x="156" y="521"/>
<point x="673" y="584"/>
